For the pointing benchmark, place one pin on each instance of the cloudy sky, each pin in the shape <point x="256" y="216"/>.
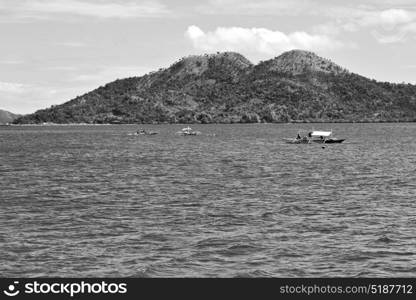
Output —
<point x="54" y="50"/>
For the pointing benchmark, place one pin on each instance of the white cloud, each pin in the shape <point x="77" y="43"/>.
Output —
<point x="401" y="34"/>
<point x="386" y="26"/>
<point x="395" y="25"/>
<point x="41" y="9"/>
<point x="384" y="18"/>
<point x="257" y="42"/>
<point x="395" y="16"/>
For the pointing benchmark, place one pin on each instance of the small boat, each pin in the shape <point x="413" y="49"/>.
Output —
<point x="188" y="131"/>
<point x="145" y="132"/>
<point x="323" y="137"/>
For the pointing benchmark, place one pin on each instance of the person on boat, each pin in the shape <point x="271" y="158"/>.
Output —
<point x="310" y="134"/>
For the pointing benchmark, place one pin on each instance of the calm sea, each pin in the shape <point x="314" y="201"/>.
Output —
<point x="234" y="201"/>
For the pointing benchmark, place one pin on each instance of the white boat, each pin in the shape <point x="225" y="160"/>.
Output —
<point x="188" y="131"/>
<point x="324" y="137"/>
<point x="315" y="136"/>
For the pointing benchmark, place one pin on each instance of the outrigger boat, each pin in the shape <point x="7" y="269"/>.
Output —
<point x="145" y="132"/>
<point x="188" y="131"/>
<point x="323" y="137"/>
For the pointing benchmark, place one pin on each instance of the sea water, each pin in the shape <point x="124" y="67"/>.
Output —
<point x="233" y="201"/>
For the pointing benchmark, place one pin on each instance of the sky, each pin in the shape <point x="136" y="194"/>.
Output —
<point x="54" y="50"/>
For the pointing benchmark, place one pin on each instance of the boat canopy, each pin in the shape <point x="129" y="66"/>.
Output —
<point x="321" y="133"/>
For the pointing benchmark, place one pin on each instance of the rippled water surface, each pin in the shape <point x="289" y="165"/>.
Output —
<point x="234" y="201"/>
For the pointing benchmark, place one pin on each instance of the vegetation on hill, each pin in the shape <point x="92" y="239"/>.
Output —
<point x="297" y="86"/>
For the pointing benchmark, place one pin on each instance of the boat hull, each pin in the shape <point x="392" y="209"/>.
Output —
<point x="329" y="141"/>
<point x="334" y="141"/>
<point x="185" y="134"/>
<point x="146" y="133"/>
<point x="303" y="141"/>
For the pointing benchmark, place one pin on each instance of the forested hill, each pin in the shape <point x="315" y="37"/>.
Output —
<point x="297" y="86"/>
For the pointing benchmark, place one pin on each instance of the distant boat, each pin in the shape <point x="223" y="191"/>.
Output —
<point x="188" y="131"/>
<point x="323" y="137"/>
<point x="145" y="132"/>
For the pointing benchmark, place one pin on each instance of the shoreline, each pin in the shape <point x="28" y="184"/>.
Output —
<point x="236" y="123"/>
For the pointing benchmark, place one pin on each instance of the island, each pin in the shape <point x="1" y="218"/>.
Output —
<point x="297" y="86"/>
